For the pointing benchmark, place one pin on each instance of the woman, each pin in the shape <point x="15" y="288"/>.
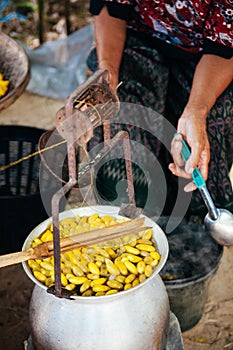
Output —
<point x="176" y="58"/>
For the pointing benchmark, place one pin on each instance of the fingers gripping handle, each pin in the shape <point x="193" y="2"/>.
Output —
<point x="185" y="154"/>
<point x="199" y="182"/>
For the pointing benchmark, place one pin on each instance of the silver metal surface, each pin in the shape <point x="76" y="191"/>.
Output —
<point x="134" y="319"/>
<point x="221" y="229"/>
<point x="213" y="214"/>
<point x="218" y="222"/>
<point x="174" y="336"/>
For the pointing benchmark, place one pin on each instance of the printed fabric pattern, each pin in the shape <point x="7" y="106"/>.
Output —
<point x="185" y="24"/>
<point x="166" y="90"/>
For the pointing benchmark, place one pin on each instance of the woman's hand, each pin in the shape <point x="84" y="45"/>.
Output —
<point x="113" y="74"/>
<point x="192" y="127"/>
<point x="212" y="76"/>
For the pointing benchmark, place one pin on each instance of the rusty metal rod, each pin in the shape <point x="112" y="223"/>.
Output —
<point x="128" y="166"/>
<point x="56" y="234"/>
<point x="55" y="215"/>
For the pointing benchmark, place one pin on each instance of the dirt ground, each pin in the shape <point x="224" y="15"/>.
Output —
<point x="213" y="332"/>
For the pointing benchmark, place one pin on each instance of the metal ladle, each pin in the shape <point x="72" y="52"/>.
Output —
<point x="218" y="222"/>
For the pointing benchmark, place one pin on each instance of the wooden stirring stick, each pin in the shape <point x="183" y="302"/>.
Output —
<point x="45" y="249"/>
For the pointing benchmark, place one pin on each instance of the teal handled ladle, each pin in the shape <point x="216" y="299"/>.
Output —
<point x="218" y="222"/>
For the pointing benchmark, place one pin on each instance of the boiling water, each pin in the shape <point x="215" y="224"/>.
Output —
<point x="192" y="253"/>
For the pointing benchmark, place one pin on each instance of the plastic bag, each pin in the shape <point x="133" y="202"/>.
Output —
<point x="58" y="67"/>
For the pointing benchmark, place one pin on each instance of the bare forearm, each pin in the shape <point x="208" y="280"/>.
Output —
<point x="213" y="75"/>
<point x="110" y="35"/>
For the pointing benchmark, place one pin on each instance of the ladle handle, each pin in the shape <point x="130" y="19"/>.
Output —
<point x="199" y="182"/>
<point x="213" y="213"/>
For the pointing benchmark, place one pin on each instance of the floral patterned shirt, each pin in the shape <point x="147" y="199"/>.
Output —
<point x="194" y="26"/>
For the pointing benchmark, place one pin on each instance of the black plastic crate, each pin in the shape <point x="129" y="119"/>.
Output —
<point x="21" y="204"/>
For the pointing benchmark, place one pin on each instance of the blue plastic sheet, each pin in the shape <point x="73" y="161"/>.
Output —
<point x="58" y="67"/>
<point x="11" y="15"/>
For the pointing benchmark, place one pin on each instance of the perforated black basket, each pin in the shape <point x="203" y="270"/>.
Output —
<point x="20" y="200"/>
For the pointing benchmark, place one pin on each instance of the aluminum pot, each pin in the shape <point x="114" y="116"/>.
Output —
<point x="133" y="319"/>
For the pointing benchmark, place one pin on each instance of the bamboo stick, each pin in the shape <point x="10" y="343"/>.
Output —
<point x="73" y="242"/>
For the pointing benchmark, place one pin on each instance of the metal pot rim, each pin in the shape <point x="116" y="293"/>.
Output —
<point x="159" y="236"/>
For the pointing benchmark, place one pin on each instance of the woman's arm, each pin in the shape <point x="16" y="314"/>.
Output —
<point x="110" y="36"/>
<point x="212" y="76"/>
